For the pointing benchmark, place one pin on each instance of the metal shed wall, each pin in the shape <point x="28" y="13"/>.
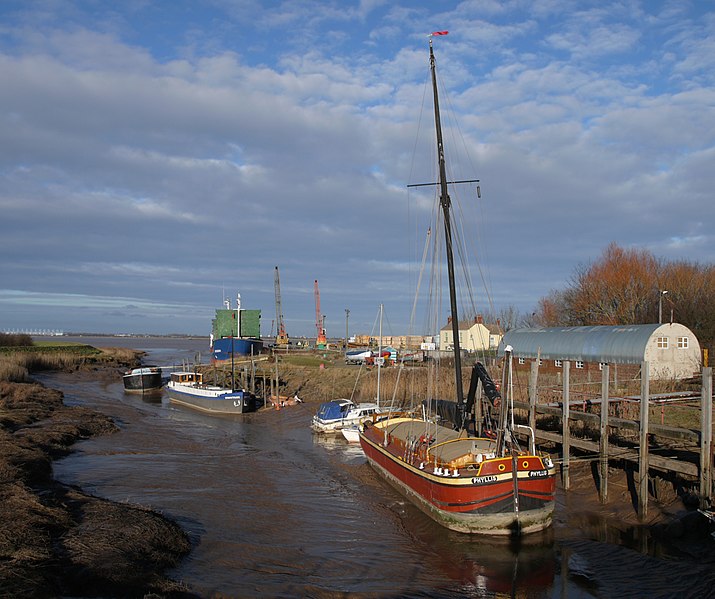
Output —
<point x="612" y="344"/>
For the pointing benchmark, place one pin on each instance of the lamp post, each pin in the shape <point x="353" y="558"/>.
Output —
<point x="347" y="316"/>
<point x="660" y="305"/>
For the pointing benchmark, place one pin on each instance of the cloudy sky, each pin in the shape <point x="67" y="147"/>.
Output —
<point x="156" y="156"/>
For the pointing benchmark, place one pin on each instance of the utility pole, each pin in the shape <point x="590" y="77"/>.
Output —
<point x="347" y="316"/>
<point x="660" y="305"/>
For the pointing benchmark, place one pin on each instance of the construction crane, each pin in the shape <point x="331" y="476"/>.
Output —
<point x="281" y="335"/>
<point x="320" y="341"/>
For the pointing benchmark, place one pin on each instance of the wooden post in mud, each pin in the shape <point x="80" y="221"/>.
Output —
<point x="643" y="455"/>
<point x="603" y="474"/>
<point x="706" y="439"/>
<point x="277" y="380"/>
<point x="532" y="393"/>
<point x="565" y="430"/>
<point x="253" y="373"/>
<point x="615" y="378"/>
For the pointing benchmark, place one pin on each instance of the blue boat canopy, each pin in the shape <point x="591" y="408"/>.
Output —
<point x="332" y="410"/>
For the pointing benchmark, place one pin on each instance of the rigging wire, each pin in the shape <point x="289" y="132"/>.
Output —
<point x="434" y="246"/>
<point x="456" y="135"/>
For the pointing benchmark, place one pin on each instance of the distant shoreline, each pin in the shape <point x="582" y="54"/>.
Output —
<point x="123" y="336"/>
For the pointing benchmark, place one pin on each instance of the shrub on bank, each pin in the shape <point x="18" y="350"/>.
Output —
<point x="17" y="363"/>
<point x="14" y="340"/>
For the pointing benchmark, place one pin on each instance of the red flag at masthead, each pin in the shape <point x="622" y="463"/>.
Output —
<point x="439" y="33"/>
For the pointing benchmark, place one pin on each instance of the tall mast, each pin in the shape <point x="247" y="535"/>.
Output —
<point x="379" y="358"/>
<point x="445" y="202"/>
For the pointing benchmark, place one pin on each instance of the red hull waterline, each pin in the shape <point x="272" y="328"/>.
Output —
<point x="479" y="498"/>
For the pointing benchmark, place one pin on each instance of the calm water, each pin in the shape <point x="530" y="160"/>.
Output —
<point x="274" y="512"/>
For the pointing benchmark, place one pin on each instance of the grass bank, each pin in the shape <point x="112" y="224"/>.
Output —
<point x="17" y="363"/>
<point x="55" y="540"/>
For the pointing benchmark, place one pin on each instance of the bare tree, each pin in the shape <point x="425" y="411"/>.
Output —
<point x="624" y="286"/>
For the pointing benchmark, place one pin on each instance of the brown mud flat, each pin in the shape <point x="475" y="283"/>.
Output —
<point x="56" y="540"/>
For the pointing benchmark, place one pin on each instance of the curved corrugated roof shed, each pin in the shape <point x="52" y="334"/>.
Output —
<point x="612" y="344"/>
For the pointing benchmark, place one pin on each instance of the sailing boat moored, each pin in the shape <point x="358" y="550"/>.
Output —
<point x="467" y="483"/>
<point x="341" y="415"/>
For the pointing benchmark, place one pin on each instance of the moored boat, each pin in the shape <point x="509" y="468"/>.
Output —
<point x="235" y="332"/>
<point x="468" y="483"/>
<point x="188" y="389"/>
<point x="333" y="416"/>
<point x="142" y="380"/>
<point x="357" y="356"/>
<point x="352" y="433"/>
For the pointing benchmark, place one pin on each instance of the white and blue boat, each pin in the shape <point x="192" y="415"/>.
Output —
<point x="188" y="389"/>
<point x="333" y="416"/>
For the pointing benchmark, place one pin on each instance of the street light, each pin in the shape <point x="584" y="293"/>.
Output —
<point x="347" y="316"/>
<point x="660" y="305"/>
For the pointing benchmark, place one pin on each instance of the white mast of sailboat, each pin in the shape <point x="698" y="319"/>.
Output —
<point x="379" y="358"/>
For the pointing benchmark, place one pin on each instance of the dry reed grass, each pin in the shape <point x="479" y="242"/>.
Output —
<point x="16" y="364"/>
<point x="56" y="541"/>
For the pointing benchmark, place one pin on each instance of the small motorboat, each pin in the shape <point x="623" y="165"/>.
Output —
<point x="142" y="380"/>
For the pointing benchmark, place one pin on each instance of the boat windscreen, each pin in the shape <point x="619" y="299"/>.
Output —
<point x="330" y="410"/>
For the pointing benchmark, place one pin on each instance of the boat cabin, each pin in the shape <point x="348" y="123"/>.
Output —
<point x="335" y="409"/>
<point x="187" y="378"/>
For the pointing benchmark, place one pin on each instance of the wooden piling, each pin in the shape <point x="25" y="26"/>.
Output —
<point x="533" y="378"/>
<point x="706" y="439"/>
<point x="565" y="430"/>
<point x="643" y="454"/>
<point x="603" y="444"/>
<point x="278" y="390"/>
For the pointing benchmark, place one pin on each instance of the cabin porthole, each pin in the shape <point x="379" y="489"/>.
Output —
<point x="502" y="467"/>
<point x="525" y="464"/>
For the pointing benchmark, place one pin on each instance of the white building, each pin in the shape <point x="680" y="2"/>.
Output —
<point x="671" y="349"/>
<point x="474" y="336"/>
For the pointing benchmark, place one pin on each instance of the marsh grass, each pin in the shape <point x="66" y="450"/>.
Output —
<point x="56" y="541"/>
<point x="17" y="363"/>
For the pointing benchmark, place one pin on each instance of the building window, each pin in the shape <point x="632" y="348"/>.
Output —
<point x="662" y="342"/>
<point x="579" y="363"/>
<point x="557" y="363"/>
<point x="682" y="343"/>
<point x="521" y="360"/>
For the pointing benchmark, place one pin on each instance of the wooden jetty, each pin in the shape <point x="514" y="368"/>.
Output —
<point x="647" y="443"/>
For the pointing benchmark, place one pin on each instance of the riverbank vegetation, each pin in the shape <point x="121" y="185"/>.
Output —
<point x="631" y="286"/>
<point x="56" y="540"/>
<point x="17" y="362"/>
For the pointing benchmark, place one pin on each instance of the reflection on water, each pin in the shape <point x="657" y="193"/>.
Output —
<point x="337" y="445"/>
<point x="275" y="511"/>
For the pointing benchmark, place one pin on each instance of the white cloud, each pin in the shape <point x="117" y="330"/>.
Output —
<point x="178" y="163"/>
